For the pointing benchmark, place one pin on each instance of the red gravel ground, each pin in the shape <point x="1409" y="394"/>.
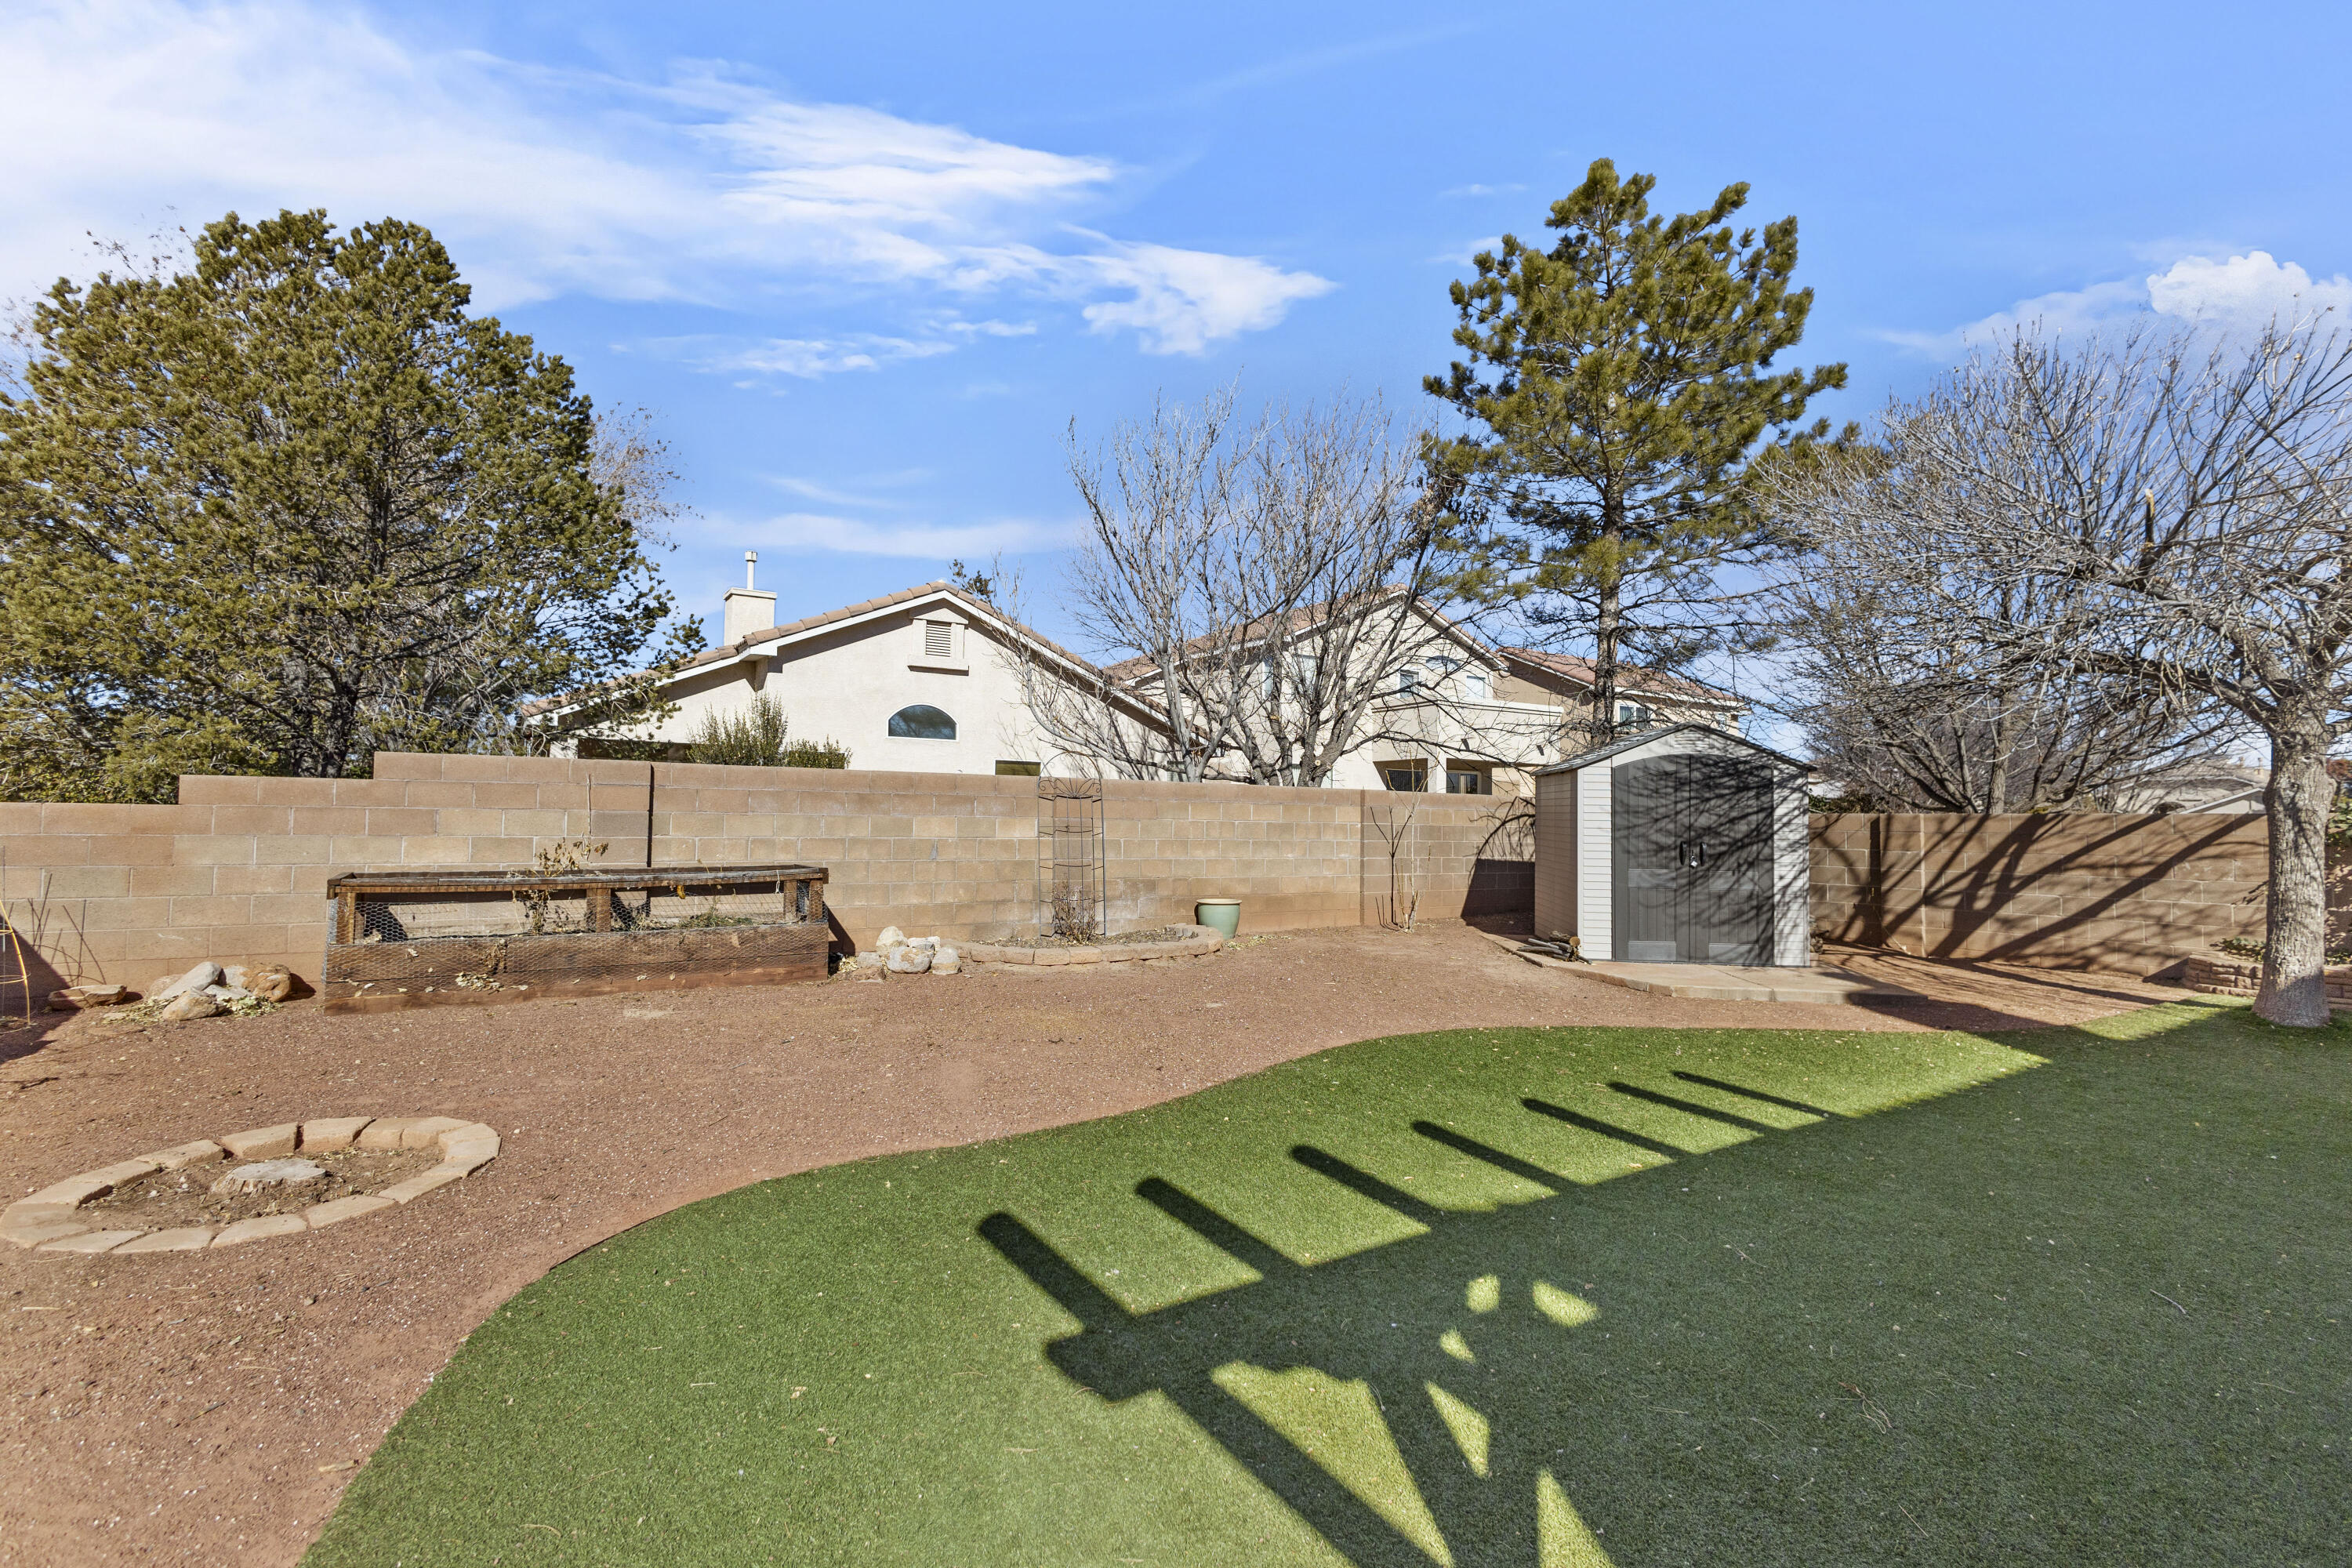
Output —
<point x="209" y="1406"/>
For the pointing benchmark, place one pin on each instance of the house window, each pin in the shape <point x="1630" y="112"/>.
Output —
<point x="1633" y="716"/>
<point x="1469" y="778"/>
<point x="1408" y="678"/>
<point x="939" y="640"/>
<point x="1410" y="778"/>
<point x="1475" y="688"/>
<point x="1006" y="770"/>
<point x="922" y="723"/>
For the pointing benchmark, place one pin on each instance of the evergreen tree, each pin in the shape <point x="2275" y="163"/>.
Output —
<point x="292" y="505"/>
<point x="1618" y="387"/>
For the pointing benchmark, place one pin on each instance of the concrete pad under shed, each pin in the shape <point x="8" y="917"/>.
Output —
<point x="1820" y="983"/>
<point x="1727" y="983"/>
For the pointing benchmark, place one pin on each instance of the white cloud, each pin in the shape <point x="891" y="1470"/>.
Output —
<point x="1463" y="254"/>
<point x="703" y="188"/>
<point x="2246" y="291"/>
<point x="911" y="539"/>
<point x="2233" y="294"/>
<point x="1181" y="301"/>
<point x="1476" y="190"/>
<point x="806" y="358"/>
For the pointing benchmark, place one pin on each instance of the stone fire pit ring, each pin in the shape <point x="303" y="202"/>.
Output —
<point x="1198" y="942"/>
<point x="53" y="1219"/>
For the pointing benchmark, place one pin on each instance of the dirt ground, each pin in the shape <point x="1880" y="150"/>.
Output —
<point x="210" y="1406"/>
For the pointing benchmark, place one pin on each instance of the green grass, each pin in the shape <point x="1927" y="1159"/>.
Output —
<point x="1935" y="1323"/>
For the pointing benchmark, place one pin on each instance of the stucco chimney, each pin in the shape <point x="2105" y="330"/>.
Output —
<point x="748" y="609"/>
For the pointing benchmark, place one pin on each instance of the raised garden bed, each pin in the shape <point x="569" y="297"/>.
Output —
<point x="406" y="938"/>
<point x="1173" y="942"/>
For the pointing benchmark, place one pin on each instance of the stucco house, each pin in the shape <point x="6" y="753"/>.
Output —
<point x="931" y="679"/>
<point x="924" y="680"/>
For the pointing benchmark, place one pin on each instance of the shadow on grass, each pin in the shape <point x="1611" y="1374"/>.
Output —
<point x="2072" y="1316"/>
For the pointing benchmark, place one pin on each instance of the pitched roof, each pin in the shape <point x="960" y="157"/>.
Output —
<point x="1305" y="617"/>
<point x="1601" y="754"/>
<point x="1632" y="680"/>
<point x="980" y="609"/>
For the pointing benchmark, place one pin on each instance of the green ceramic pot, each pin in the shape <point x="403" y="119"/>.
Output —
<point x="1223" y="916"/>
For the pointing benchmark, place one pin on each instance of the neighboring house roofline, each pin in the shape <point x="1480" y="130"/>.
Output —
<point x="979" y="609"/>
<point x="1304" y="620"/>
<point x="1632" y="680"/>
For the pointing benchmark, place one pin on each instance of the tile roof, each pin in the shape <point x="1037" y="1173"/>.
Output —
<point x="1632" y="680"/>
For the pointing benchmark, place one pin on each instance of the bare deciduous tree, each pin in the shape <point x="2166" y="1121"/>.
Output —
<point x="1263" y="582"/>
<point x="1910" y="719"/>
<point x="2180" y="510"/>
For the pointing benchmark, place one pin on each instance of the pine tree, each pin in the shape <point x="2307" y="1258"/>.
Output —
<point x="1618" y="387"/>
<point x="294" y="504"/>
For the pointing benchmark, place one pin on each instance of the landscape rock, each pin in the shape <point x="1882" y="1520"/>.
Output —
<point x="271" y="983"/>
<point x="196" y="979"/>
<point x="909" y="960"/>
<point x="930" y="942"/>
<point x="233" y="976"/>
<point x="891" y="936"/>
<point x="191" y="1004"/>
<point x="227" y="994"/>
<point x="947" y="960"/>
<point x="73" y="998"/>
<point x="269" y="1173"/>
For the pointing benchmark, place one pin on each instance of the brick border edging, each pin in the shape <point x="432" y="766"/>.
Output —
<point x="1200" y="944"/>
<point x="2230" y="975"/>
<point x="48" y="1222"/>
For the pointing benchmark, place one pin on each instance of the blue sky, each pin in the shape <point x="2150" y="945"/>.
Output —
<point x="867" y="263"/>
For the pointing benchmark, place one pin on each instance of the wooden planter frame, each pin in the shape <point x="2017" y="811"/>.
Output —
<point x="364" y="976"/>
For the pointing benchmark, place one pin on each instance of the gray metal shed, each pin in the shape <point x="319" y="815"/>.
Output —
<point x="1681" y="845"/>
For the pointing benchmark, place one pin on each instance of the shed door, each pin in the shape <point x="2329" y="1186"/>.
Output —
<point x="1692" y="859"/>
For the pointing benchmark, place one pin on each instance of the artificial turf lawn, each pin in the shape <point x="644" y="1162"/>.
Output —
<point x="2062" y="1295"/>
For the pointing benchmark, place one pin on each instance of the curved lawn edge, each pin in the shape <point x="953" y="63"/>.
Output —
<point x="787" y="1362"/>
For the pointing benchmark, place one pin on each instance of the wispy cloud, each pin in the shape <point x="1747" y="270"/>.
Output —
<point x="1467" y="251"/>
<point x="911" y="538"/>
<point x="1474" y="190"/>
<point x="2231" y="293"/>
<point x="702" y="186"/>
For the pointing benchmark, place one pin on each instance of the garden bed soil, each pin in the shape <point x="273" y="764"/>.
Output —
<point x="1119" y="939"/>
<point x="170" y="1199"/>
<point x="209" y="1406"/>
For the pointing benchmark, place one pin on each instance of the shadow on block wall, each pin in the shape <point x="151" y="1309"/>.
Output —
<point x="2081" y="890"/>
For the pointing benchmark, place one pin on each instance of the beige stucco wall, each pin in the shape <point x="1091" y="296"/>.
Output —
<point x="239" y="870"/>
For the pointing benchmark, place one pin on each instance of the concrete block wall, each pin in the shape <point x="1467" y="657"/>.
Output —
<point x="2130" y="894"/>
<point x="238" y="869"/>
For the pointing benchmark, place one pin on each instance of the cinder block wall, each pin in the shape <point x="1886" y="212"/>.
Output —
<point x="239" y="870"/>
<point x="2130" y="894"/>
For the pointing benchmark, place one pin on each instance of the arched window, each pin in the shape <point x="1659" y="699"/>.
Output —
<point x="922" y="723"/>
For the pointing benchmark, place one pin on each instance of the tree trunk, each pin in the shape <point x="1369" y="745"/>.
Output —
<point x="2294" y="938"/>
<point x="1608" y="627"/>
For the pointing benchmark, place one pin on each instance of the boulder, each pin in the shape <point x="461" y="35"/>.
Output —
<point x="73" y="998"/>
<point x="232" y="976"/>
<point x="947" y="960"/>
<point x="908" y="960"/>
<point x="891" y="936"/>
<point x="227" y="994"/>
<point x="271" y="983"/>
<point x="930" y="942"/>
<point x="196" y="979"/>
<point x="191" y="1004"/>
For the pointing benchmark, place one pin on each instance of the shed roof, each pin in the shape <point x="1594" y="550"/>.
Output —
<point x="1631" y="742"/>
